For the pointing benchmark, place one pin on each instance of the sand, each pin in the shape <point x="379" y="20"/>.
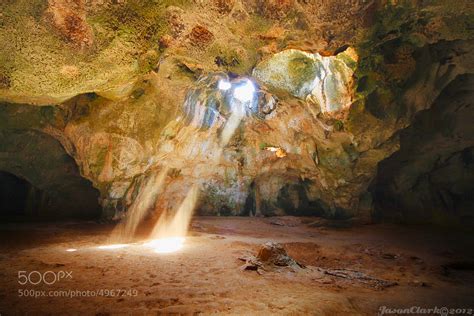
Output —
<point x="204" y="277"/>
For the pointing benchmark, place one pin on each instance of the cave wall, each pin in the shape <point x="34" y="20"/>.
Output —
<point x="431" y="177"/>
<point x="335" y="81"/>
<point x="52" y="183"/>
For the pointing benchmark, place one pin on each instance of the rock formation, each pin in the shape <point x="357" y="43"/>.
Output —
<point x="131" y="87"/>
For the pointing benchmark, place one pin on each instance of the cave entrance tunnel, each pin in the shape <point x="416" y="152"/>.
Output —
<point x="39" y="181"/>
<point x="21" y="200"/>
<point x="14" y="195"/>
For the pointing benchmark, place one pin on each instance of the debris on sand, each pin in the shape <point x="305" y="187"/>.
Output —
<point x="390" y="256"/>
<point x="289" y="221"/>
<point x="419" y="283"/>
<point x="331" y="223"/>
<point x="358" y="276"/>
<point x="271" y="255"/>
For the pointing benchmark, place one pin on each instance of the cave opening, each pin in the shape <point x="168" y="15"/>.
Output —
<point x="41" y="181"/>
<point x="14" y="198"/>
<point x="20" y="201"/>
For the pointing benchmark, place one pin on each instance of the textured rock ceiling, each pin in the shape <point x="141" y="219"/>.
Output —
<point x="131" y="87"/>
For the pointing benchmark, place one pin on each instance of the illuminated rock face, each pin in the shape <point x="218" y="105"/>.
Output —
<point x="134" y="87"/>
<point x="327" y="81"/>
<point x="215" y="97"/>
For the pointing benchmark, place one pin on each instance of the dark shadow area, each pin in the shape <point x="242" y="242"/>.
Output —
<point x="431" y="178"/>
<point x="40" y="181"/>
<point x="13" y="195"/>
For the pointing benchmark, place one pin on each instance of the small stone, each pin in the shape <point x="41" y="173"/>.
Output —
<point x="275" y="253"/>
<point x="270" y="256"/>
<point x="389" y="256"/>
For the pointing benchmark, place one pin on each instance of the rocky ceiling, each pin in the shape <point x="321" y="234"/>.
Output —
<point x="130" y="87"/>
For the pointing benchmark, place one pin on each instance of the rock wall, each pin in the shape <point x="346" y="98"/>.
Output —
<point x="55" y="186"/>
<point x="133" y="87"/>
<point x="430" y="178"/>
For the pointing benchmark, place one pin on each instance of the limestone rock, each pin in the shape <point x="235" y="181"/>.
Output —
<point x="326" y="80"/>
<point x="270" y="256"/>
<point x="335" y="83"/>
<point x="432" y="169"/>
<point x="57" y="188"/>
<point x="68" y="17"/>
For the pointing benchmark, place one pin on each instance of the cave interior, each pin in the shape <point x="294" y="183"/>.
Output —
<point x="236" y="157"/>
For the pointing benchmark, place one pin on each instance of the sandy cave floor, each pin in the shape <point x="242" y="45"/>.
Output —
<point x="205" y="276"/>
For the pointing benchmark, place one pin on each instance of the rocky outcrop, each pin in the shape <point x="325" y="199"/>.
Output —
<point x="326" y="81"/>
